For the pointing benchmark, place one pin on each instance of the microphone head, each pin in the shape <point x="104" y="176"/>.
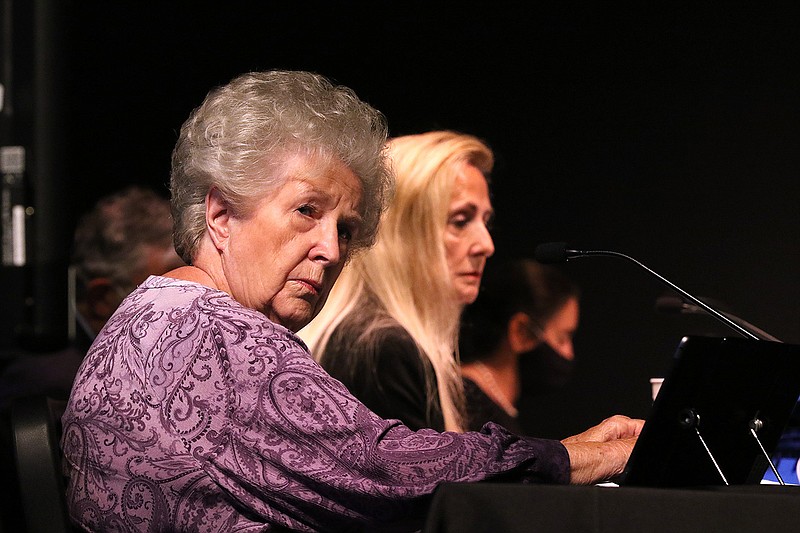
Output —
<point x="551" y="252"/>
<point x="671" y="304"/>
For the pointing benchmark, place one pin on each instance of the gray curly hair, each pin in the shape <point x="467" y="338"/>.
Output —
<point x="242" y="132"/>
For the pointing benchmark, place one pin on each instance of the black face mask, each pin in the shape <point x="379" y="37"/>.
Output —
<point x="544" y="370"/>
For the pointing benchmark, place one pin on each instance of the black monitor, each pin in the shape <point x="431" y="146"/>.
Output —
<point x="718" y="393"/>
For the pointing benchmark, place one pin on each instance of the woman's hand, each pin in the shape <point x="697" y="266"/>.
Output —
<point x="601" y="452"/>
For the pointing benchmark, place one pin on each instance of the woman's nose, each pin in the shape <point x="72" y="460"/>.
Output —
<point x="484" y="245"/>
<point x="328" y="246"/>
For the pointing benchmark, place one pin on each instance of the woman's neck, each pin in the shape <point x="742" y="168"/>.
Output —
<point x="498" y="378"/>
<point x="194" y="274"/>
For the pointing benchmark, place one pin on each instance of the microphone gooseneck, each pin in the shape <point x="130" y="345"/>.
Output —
<point x="558" y="252"/>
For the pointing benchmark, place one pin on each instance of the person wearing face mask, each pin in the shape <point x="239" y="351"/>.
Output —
<point x="516" y="338"/>
<point x="390" y="328"/>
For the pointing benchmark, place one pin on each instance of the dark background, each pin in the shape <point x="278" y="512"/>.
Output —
<point x="669" y="133"/>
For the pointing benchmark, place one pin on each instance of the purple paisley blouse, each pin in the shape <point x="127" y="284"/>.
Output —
<point x="193" y="413"/>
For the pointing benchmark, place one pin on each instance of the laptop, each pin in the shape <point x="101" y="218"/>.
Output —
<point x="719" y="392"/>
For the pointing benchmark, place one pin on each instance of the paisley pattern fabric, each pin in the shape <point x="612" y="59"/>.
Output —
<point x="194" y="413"/>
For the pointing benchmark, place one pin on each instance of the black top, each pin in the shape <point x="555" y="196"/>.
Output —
<point x="481" y="409"/>
<point x="385" y="370"/>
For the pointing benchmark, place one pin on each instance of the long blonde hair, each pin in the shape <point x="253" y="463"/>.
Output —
<point x="406" y="271"/>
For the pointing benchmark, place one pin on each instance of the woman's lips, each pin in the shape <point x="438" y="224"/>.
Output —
<point x="311" y="285"/>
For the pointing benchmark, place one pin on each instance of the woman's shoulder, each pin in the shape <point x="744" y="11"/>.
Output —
<point x="168" y="292"/>
<point x="182" y="305"/>
<point x="380" y="337"/>
<point x="382" y="365"/>
<point x="376" y="354"/>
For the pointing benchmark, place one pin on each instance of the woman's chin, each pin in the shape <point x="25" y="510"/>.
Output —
<point x="294" y="320"/>
<point x="467" y="295"/>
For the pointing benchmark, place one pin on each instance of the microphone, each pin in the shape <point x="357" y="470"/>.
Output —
<point x="558" y="252"/>
<point x="676" y="304"/>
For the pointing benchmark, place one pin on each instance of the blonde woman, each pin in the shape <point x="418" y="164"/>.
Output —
<point x="389" y="330"/>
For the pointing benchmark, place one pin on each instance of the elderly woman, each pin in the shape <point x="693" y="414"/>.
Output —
<point x="197" y="407"/>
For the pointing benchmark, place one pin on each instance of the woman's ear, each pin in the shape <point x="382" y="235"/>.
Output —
<point x="217" y="218"/>
<point x="520" y="333"/>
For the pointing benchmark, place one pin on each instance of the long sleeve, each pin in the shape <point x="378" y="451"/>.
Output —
<point x="191" y="412"/>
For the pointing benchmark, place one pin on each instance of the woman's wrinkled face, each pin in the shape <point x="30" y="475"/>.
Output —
<point x="283" y="258"/>
<point x="466" y="236"/>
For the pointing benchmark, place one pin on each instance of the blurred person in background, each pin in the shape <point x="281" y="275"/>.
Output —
<point x="126" y="237"/>
<point x="516" y="339"/>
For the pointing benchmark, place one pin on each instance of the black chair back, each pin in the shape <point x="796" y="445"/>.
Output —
<point x="36" y="427"/>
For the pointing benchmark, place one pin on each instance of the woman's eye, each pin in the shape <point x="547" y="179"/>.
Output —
<point x="459" y="221"/>
<point x="306" y="210"/>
